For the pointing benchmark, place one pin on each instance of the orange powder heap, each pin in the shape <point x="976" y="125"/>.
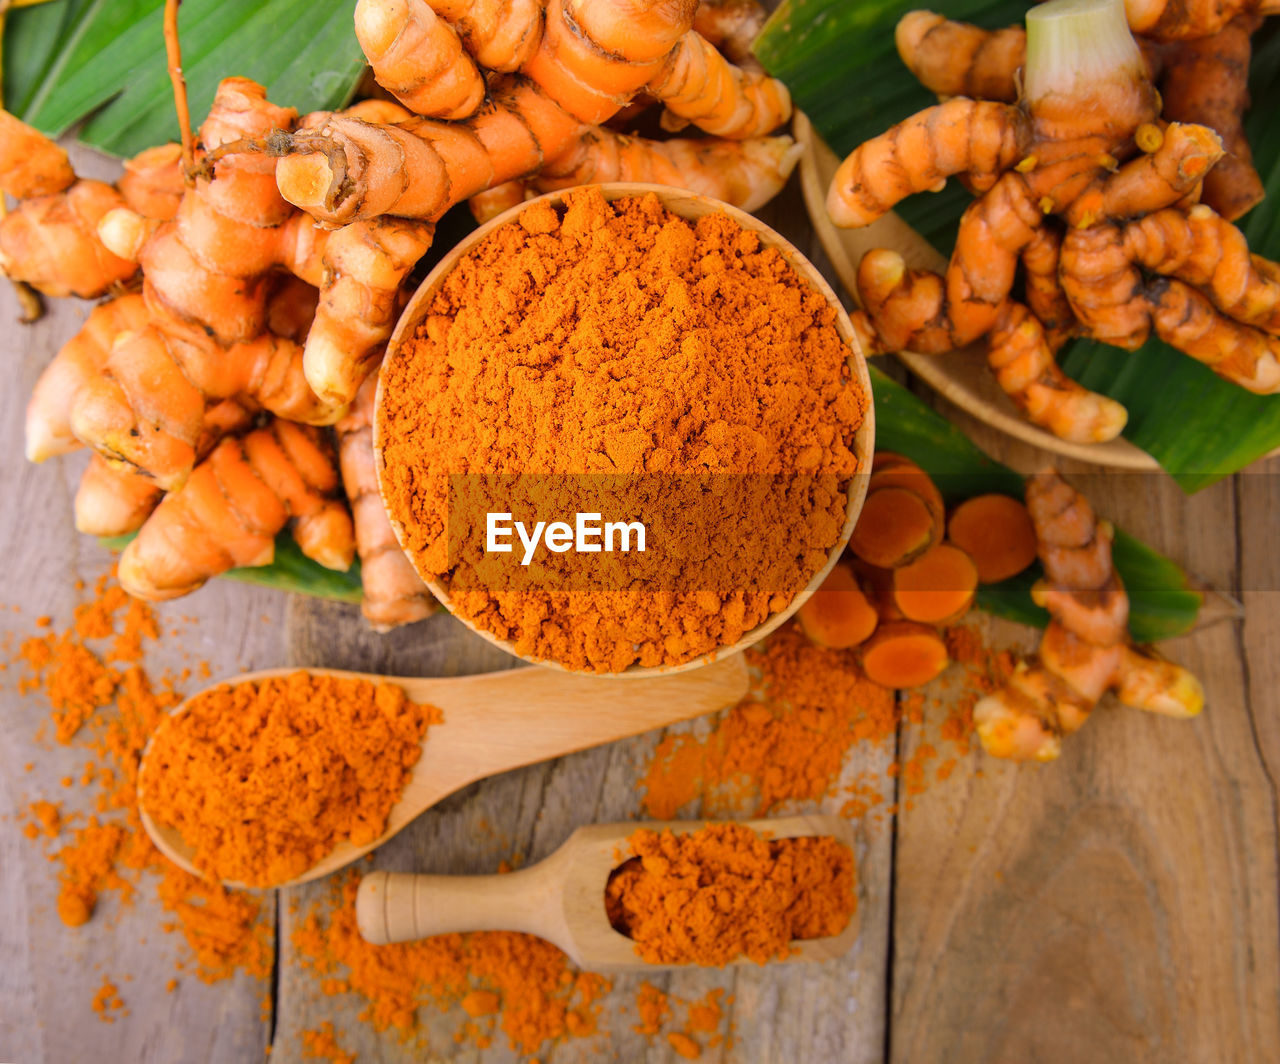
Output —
<point x="518" y="983"/>
<point x="322" y="1044"/>
<point x="111" y="714"/>
<point x="683" y="360"/>
<point x="786" y="741"/>
<point x="264" y="779"/>
<point x="723" y="891"/>
<point x="107" y="1003"/>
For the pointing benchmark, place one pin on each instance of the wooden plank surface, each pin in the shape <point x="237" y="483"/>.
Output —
<point x="49" y="973"/>
<point x="1118" y="905"/>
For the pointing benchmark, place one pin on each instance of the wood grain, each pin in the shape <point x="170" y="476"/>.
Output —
<point x="1119" y="904"/>
<point x="49" y="973"/>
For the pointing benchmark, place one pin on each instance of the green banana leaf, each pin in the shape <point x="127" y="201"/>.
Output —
<point x="1161" y="601"/>
<point x="69" y="59"/>
<point x="290" y="571"/>
<point x="839" y="60"/>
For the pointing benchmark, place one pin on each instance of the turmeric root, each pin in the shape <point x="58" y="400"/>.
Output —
<point x="1202" y="79"/>
<point x="700" y="85"/>
<point x="579" y="62"/>
<point x="902" y="516"/>
<point x="977" y="138"/>
<point x="732" y="26"/>
<point x="76" y="365"/>
<point x="838" y="614"/>
<point x="1206" y="81"/>
<point x="51" y="240"/>
<point x="1203" y="249"/>
<point x="959" y="59"/>
<point x="351" y="170"/>
<point x="922" y="316"/>
<point x="394" y="594"/>
<point x="1046" y="298"/>
<point x="1085" y="650"/>
<point x="114" y="501"/>
<point x="418" y="58"/>
<point x="1019" y="353"/>
<point x="1165" y="20"/>
<point x="51" y="243"/>
<point x="903" y="654"/>
<point x="212" y="288"/>
<point x="1185" y="319"/>
<point x="490" y="203"/>
<point x="936" y="588"/>
<point x="745" y="173"/>
<point x="996" y="532"/>
<point x="1123" y="187"/>
<point x="30" y="163"/>
<point x="232" y="506"/>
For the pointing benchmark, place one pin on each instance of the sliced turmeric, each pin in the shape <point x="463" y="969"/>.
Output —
<point x="838" y="614"/>
<point x="903" y="654"/>
<point x="902" y="516"/>
<point x="937" y="587"/>
<point x="996" y="532"/>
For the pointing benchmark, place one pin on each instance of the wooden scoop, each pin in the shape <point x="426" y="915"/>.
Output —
<point x="503" y="720"/>
<point x="560" y="899"/>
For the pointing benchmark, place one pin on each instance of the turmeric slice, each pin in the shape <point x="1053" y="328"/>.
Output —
<point x="997" y="533"/>
<point x="937" y="587"/>
<point x="904" y="654"/>
<point x="838" y="614"/>
<point x="902" y="516"/>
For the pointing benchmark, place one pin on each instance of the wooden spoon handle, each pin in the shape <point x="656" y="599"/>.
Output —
<point x="399" y="907"/>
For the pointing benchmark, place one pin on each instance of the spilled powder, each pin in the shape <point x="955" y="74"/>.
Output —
<point x="702" y="1018"/>
<point x="809" y="706"/>
<point x="107" y="1004"/>
<point x="322" y="1044"/>
<point x="505" y="982"/>
<point x="102" y="701"/>
<point x="786" y="741"/>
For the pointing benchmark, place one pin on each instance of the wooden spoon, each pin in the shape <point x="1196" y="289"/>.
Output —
<point x="560" y="899"/>
<point x="499" y="721"/>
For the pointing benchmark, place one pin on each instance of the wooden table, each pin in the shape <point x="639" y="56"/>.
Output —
<point x="1118" y="905"/>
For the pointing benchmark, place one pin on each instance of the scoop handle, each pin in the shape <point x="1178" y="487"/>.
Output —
<point x="400" y="907"/>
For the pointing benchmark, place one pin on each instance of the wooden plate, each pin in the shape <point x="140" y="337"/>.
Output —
<point x="686" y="205"/>
<point x="960" y="376"/>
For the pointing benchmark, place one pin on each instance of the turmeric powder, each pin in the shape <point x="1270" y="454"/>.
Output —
<point x="786" y="741"/>
<point x="533" y="993"/>
<point x="722" y="891"/>
<point x="614" y="357"/>
<point x="223" y="929"/>
<point x="263" y="778"/>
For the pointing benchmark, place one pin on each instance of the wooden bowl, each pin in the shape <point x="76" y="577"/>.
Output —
<point x="691" y="206"/>
<point x="961" y="376"/>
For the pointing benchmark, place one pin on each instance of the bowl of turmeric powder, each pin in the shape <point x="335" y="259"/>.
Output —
<point x="623" y="429"/>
